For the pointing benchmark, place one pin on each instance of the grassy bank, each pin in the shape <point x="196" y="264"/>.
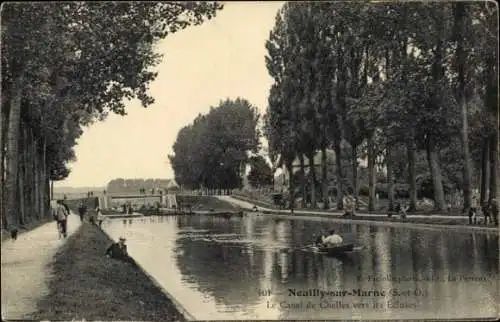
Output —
<point x="87" y="285"/>
<point x="206" y="203"/>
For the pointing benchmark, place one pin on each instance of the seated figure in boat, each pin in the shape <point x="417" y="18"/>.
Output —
<point x="318" y="239"/>
<point x="333" y="239"/>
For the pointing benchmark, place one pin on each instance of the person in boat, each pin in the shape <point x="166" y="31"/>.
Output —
<point x="318" y="239"/>
<point x="333" y="239"/>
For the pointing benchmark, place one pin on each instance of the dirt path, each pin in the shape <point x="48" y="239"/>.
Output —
<point x="25" y="270"/>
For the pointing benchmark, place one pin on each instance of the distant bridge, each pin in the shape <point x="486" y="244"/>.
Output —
<point x="133" y="196"/>
<point x="166" y="199"/>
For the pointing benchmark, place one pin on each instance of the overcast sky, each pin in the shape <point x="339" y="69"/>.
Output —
<point x="223" y="58"/>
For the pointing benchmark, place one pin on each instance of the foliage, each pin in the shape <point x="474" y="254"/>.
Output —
<point x="261" y="173"/>
<point x="67" y="65"/>
<point x="213" y="150"/>
<point x="383" y="76"/>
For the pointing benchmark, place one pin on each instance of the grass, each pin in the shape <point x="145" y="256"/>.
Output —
<point x="87" y="285"/>
<point x="206" y="203"/>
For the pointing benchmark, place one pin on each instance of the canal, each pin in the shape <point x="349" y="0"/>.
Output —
<point x="256" y="267"/>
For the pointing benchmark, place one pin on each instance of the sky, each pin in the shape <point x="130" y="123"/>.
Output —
<point x="222" y="58"/>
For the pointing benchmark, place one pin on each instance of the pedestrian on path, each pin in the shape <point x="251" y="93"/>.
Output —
<point x="100" y="217"/>
<point x="82" y="209"/>
<point x="61" y="216"/>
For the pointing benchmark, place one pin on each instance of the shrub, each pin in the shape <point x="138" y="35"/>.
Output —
<point x="364" y="190"/>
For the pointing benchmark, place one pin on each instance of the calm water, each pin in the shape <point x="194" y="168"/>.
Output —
<point x="222" y="269"/>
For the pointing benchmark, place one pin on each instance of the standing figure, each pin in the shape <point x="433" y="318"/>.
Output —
<point x="100" y="217"/>
<point x="494" y="211"/>
<point x="349" y="205"/>
<point x="82" y="209"/>
<point x="61" y="216"/>
<point x="473" y="210"/>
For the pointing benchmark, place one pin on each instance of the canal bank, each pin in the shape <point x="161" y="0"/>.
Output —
<point x="412" y="221"/>
<point x="86" y="285"/>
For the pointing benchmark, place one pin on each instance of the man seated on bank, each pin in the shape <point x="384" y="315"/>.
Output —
<point x="333" y="239"/>
<point x="119" y="251"/>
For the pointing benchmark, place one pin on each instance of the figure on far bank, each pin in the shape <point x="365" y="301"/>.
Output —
<point x="349" y="204"/>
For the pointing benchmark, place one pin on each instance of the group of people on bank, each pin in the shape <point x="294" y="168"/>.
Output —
<point x="60" y="213"/>
<point x="94" y="218"/>
<point x="488" y="210"/>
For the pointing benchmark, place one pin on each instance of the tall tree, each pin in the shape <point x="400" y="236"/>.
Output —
<point x="90" y="54"/>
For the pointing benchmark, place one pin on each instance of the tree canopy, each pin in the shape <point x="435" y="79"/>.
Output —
<point x="213" y="150"/>
<point x="379" y="76"/>
<point x="65" y="65"/>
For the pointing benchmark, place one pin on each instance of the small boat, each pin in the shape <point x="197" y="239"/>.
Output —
<point x="336" y="250"/>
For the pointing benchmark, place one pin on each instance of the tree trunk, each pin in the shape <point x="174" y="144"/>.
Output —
<point x="461" y="55"/>
<point x="324" y="179"/>
<point x="51" y="189"/>
<point x="11" y="208"/>
<point x="371" y="174"/>
<point x="3" y="127"/>
<point x="338" y="171"/>
<point x="485" y="169"/>
<point x="46" y="206"/>
<point x="312" y="172"/>
<point x="20" y="177"/>
<point x="302" y="173"/>
<point x="36" y="177"/>
<point x="493" y="167"/>
<point x="412" y="174"/>
<point x="390" y="178"/>
<point x="291" y="184"/>
<point x="354" y="151"/>
<point x="43" y="187"/>
<point x="29" y="173"/>
<point x="437" y="180"/>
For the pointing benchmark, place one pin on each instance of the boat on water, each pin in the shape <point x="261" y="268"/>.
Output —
<point x="336" y="250"/>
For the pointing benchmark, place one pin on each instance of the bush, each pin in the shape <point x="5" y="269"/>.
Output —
<point x="364" y="190"/>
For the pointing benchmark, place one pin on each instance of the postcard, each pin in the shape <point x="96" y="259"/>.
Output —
<point x="198" y="161"/>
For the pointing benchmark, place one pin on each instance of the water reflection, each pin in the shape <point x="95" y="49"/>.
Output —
<point x="220" y="269"/>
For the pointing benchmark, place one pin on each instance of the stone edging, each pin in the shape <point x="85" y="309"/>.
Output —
<point x="382" y="223"/>
<point x="177" y="305"/>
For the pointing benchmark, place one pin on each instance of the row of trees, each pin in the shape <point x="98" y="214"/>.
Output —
<point x="389" y="81"/>
<point x="211" y="153"/>
<point x="64" y="66"/>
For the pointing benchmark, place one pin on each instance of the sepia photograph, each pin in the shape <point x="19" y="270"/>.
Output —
<point x="249" y="160"/>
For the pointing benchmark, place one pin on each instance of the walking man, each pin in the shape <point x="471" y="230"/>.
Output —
<point x="82" y="209"/>
<point x="61" y="215"/>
